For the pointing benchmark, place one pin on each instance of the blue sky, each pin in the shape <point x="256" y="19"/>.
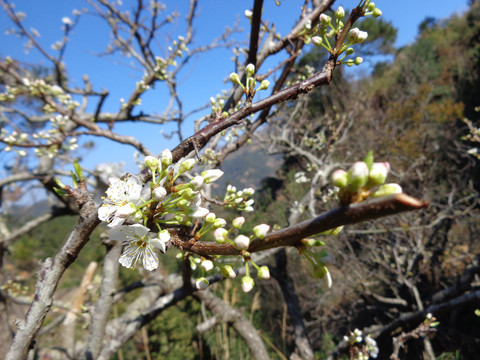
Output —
<point x="204" y="77"/>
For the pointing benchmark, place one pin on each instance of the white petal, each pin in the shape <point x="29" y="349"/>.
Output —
<point x="126" y="260"/>
<point x="105" y="212"/>
<point x="150" y="260"/>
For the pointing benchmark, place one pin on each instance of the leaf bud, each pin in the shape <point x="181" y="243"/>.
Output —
<point x="387" y="189"/>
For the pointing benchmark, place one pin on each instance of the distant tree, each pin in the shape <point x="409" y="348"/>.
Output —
<point x="169" y="206"/>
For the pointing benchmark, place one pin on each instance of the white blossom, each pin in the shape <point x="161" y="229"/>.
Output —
<point x="139" y="244"/>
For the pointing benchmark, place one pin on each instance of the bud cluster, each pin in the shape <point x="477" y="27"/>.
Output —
<point x="250" y="83"/>
<point x="46" y="142"/>
<point x="361" y="347"/>
<point x="362" y="180"/>
<point x="239" y="241"/>
<point x="329" y="27"/>
<point x="240" y="200"/>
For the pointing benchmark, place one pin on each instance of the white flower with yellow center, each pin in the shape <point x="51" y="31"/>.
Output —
<point x="139" y="243"/>
<point x="122" y="200"/>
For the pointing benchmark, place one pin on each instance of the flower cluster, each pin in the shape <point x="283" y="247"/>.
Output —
<point x="361" y="347"/>
<point x="159" y="204"/>
<point x="329" y="28"/>
<point x="241" y="200"/>
<point x="363" y="179"/>
<point x="250" y="83"/>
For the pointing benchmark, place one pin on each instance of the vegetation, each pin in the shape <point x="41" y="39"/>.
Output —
<point x="409" y="281"/>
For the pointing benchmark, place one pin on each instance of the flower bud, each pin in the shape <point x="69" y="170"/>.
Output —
<point x="248" y="14"/>
<point x="219" y="222"/>
<point x="358" y="60"/>
<point x="263" y="272"/>
<point x="242" y="242"/>
<point x="376" y="12"/>
<point x="325" y="19"/>
<point x="362" y="35"/>
<point x="250" y="70"/>
<point x="238" y="222"/>
<point x="261" y="230"/>
<point x="353" y="35"/>
<point x="201" y="283"/>
<point x="210" y="218"/>
<point x="166" y="158"/>
<point x="349" y="51"/>
<point x="211" y="175"/>
<point x="247" y="283"/>
<point x="339" y="179"/>
<point x="317" y="40"/>
<point x="200" y="212"/>
<point x="159" y="193"/>
<point x="220" y="235"/>
<point x="264" y="85"/>
<point x="197" y="182"/>
<point x="235" y="78"/>
<point x="152" y="163"/>
<point x="371" y="6"/>
<point x="378" y="173"/>
<point x="186" y="165"/>
<point x="207" y="265"/>
<point x="387" y="189"/>
<point x="357" y="176"/>
<point x="227" y="271"/>
<point x="340" y="13"/>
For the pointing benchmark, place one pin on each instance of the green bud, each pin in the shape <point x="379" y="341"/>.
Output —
<point x="371" y="6"/>
<point x="376" y="12"/>
<point x="78" y="170"/>
<point x="339" y="179"/>
<point x="340" y="13"/>
<point x="264" y="85"/>
<point x="186" y="165"/>
<point x="312" y="242"/>
<point x="235" y="79"/>
<point x="357" y="176"/>
<point x="349" y="51"/>
<point x="378" y="173"/>
<point x="317" y="40"/>
<point x="358" y="60"/>
<point x="152" y="163"/>
<point x="250" y="70"/>
<point x="387" y="189"/>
